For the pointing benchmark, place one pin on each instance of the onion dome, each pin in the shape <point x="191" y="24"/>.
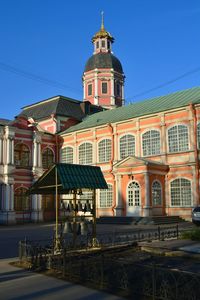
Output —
<point x="103" y="61"/>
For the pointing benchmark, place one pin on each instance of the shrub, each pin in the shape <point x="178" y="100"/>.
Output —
<point x="193" y="234"/>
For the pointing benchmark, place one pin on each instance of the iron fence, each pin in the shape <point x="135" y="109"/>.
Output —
<point x="113" y="272"/>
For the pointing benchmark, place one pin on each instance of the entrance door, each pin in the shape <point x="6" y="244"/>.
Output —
<point x="133" y="199"/>
<point x="48" y="206"/>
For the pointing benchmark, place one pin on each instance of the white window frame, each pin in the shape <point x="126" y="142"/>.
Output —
<point x="152" y="193"/>
<point x="106" y="155"/>
<point x="180" y="192"/>
<point x="137" y="202"/>
<point x="89" y="84"/>
<point x="69" y="156"/>
<point x="85" y="160"/>
<point x="127" y="150"/>
<point x="108" y="194"/>
<point x="104" y="82"/>
<point x="175" y="144"/>
<point x="151" y="149"/>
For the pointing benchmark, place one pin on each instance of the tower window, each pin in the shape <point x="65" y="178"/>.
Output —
<point x="89" y="89"/>
<point x="118" y="89"/>
<point x="103" y="44"/>
<point x="97" y="45"/>
<point x="108" y="45"/>
<point x="104" y="88"/>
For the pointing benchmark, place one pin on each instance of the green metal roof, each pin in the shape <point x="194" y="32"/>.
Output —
<point x="70" y="177"/>
<point x="154" y="105"/>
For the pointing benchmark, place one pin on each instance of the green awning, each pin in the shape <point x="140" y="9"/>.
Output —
<point x="69" y="177"/>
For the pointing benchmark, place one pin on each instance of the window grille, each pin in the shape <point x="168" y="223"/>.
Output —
<point x="89" y="89"/>
<point x="85" y="154"/>
<point x="48" y="202"/>
<point x="67" y="155"/>
<point x="104" y="149"/>
<point x="127" y="146"/>
<point x="106" y="197"/>
<point x="47" y="158"/>
<point x="156" y="193"/>
<point x="181" y="193"/>
<point x="21" y="199"/>
<point x="151" y="143"/>
<point x="21" y="155"/>
<point x="178" y="138"/>
<point x="104" y="88"/>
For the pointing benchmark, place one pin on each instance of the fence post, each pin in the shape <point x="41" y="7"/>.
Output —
<point x="153" y="281"/>
<point x="102" y="271"/>
<point x="64" y="262"/>
<point x="177" y="231"/>
<point x="159" y="233"/>
<point x="20" y="250"/>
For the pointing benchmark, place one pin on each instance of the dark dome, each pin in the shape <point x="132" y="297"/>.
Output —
<point x="104" y="61"/>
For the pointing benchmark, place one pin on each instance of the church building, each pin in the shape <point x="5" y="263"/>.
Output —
<point x="148" y="151"/>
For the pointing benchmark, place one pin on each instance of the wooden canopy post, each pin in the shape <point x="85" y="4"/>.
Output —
<point x="56" y="188"/>
<point x="94" y="231"/>
<point x="74" y="218"/>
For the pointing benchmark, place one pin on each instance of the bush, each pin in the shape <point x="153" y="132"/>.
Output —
<point x="193" y="234"/>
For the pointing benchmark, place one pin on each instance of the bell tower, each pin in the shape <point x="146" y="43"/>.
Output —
<point x="103" y="77"/>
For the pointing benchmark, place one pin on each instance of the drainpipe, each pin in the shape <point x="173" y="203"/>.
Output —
<point x="193" y="110"/>
<point x="111" y="163"/>
<point x="57" y="148"/>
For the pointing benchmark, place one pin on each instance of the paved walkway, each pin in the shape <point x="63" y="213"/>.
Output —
<point x="19" y="284"/>
<point x="177" y="247"/>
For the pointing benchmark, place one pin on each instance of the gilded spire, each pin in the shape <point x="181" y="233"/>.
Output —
<point x="102" y="33"/>
<point x="102" y="20"/>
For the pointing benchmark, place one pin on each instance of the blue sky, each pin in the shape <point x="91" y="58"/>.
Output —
<point x="44" y="45"/>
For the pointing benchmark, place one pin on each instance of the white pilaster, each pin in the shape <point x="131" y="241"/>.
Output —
<point x="147" y="208"/>
<point x="8" y="151"/>
<point x="115" y="145"/>
<point x="119" y="206"/>
<point x="11" y="197"/>
<point x="112" y="98"/>
<point x="96" y="99"/>
<point x="12" y="152"/>
<point x="1" y="150"/>
<point x="34" y="153"/>
<point x="123" y="99"/>
<point x="138" y="139"/>
<point x="7" y="197"/>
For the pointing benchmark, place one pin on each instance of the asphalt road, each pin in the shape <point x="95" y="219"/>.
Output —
<point x="11" y="235"/>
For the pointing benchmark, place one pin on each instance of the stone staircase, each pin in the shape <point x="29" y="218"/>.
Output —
<point x="154" y="220"/>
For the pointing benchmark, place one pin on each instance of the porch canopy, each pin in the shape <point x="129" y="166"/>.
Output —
<point x="64" y="178"/>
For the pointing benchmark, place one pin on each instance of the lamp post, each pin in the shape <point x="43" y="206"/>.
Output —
<point x="56" y="234"/>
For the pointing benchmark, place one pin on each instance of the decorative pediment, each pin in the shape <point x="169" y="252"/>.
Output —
<point x="134" y="161"/>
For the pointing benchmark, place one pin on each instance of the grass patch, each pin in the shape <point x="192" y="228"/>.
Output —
<point x="193" y="234"/>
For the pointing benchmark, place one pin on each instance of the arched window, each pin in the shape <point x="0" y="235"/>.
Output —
<point x="104" y="149"/>
<point x="21" y="199"/>
<point x="22" y="155"/>
<point x="151" y="142"/>
<point x="67" y="155"/>
<point x="85" y="154"/>
<point x="178" y="138"/>
<point x="47" y="158"/>
<point x="156" y="193"/>
<point x="133" y="194"/>
<point x="181" y="193"/>
<point x="127" y="146"/>
<point x="198" y="136"/>
<point x="106" y="197"/>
